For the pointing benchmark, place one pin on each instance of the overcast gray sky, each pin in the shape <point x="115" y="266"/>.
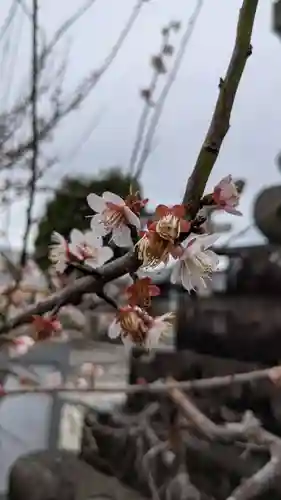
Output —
<point x="253" y="141"/>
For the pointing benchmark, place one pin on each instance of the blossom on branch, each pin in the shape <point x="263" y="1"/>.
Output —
<point x="137" y="328"/>
<point x="46" y="327"/>
<point x="59" y="252"/>
<point x="226" y="196"/>
<point x="170" y="222"/>
<point x="113" y="216"/>
<point x="88" y="247"/>
<point x="140" y="292"/>
<point x="196" y="263"/>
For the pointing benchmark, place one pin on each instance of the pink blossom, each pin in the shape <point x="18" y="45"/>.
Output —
<point x="226" y="196"/>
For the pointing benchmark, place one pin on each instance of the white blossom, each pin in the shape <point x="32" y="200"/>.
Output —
<point x="113" y="216"/>
<point x="197" y="262"/>
<point x="89" y="248"/>
<point x="226" y="195"/>
<point x="137" y="328"/>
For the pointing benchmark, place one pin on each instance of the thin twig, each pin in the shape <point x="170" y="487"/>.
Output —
<point x="35" y="142"/>
<point x="166" y="89"/>
<point x="163" y="387"/>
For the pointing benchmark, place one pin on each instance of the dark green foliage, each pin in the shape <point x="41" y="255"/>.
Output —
<point x="69" y="208"/>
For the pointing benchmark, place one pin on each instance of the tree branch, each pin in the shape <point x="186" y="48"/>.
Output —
<point x="260" y="482"/>
<point x="220" y="121"/>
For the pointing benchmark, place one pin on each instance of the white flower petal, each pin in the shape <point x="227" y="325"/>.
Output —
<point x="93" y="239"/>
<point x="132" y="218"/>
<point x="186" y="279"/>
<point x="76" y="237"/>
<point x="154" y="335"/>
<point x="175" y="274"/>
<point x="98" y="226"/>
<point x="122" y="236"/>
<point x="208" y="239"/>
<point x="57" y="238"/>
<point x="74" y="250"/>
<point x="128" y="343"/>
<point x="104" y="255"/>
<point x="114" y="330"/>
<point x="113" y="198"/>
<point x="96" y="202"/>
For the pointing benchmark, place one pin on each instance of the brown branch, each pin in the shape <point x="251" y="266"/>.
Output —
<point x="221" y="116"/>
<point x="247" y="430"/>
<point x="74" y="292"/>
<point x="261" y="481"/>
<point x="154" y="388"/>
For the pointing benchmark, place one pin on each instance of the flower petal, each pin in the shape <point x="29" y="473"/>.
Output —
<point x="112" y="198"/>
<point x="232" y="210"/>
<point x="128" y="343"/>
<point x="57" y="238"/>
<point x="93" y="239"/>
<point x="122" y="236"/>
<point x="175" y="275"/>
<point x="186" y="279"/>
<point x="104" y="255"/>
<point x="98" y="227"/>
<point x="132" y="218"/>
<point x="96" y="203"/>
<point x="114" y="330"/>
<point x="76" y="237"/>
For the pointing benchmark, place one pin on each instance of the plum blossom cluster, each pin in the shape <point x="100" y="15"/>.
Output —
<point x="173" y="235"/>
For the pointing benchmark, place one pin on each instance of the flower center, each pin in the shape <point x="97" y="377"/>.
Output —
<point x="168" y="227"/>
<point x="152" y="249"/>
<point x="201" y="262"/>
<point x="113" y="215"/>
<point x="86" y="251"/>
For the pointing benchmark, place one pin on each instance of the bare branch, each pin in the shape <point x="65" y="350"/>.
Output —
<point x="157" y="387"/>
<point x="260" y="482"/>
<point x="221" y="116"/>
<point x="35" y="144"/>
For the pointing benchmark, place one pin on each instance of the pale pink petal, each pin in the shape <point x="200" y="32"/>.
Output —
<point x="132" y="218"/>
<point x="122" y="236"/>
<point x="114" y="330"/>
<point x="113" y="198"/>
<point x="96" y="203"/>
